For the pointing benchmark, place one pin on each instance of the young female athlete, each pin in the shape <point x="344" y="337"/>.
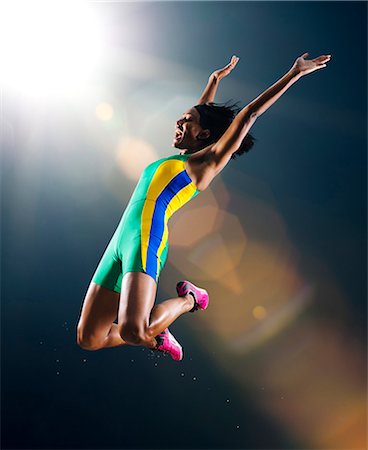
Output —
<point x="124" y="284"/>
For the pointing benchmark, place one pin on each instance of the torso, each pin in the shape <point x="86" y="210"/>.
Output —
<point x="166" y="182"/>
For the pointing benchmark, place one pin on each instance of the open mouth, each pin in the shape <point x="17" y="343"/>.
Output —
<point x="179" y="135"/>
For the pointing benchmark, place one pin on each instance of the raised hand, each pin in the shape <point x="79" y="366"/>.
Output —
<point x="305" y="66"/>
<point x="221" y="73"/>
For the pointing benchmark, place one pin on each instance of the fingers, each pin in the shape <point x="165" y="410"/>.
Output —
<point x="229" y="67"/>
<point x="321" y="58"/>
<point x="234" y="60"/>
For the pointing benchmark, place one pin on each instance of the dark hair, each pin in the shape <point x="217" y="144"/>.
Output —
<point x="217" y="118"/>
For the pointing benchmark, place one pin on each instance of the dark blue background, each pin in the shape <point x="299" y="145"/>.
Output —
<point x="315" y="163"/>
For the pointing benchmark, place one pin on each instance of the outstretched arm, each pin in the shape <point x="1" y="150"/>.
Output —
<point x="232" y="138"/>
<point x="209" y="92"/>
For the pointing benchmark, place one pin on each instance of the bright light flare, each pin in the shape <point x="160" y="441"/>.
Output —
<point x="49" y="49"/>
<point x="133" y="155"/>
<point x="104" y="111"/>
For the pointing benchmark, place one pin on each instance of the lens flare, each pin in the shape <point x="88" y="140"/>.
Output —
<point x="49" y="49"/>
<point x="133" y="155"/>
<point x="104" y="111"/>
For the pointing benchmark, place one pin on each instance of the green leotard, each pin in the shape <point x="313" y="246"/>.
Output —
<point x="140" y="242"/>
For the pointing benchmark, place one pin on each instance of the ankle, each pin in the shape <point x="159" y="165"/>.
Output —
<point x="190" y="301"/>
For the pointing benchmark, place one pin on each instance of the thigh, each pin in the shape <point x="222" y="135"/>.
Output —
<point x="99" y="310"/>
<point x="137" y="297"/>
<point x="109" y="270"/>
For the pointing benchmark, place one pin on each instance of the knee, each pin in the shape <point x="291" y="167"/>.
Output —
<point x="134" y="335"/>
<point x="87" y="341"/>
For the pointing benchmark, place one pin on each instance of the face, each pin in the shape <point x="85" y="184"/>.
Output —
<point x="189" y="135"/>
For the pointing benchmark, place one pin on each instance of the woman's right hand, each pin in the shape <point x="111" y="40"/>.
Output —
<point x="304" y="66"/>
<point x="221" y="73"/>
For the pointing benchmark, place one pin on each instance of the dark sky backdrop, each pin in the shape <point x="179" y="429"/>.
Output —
<point x="311" y="153"/>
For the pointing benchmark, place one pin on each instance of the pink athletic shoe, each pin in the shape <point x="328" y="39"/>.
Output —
<point x="200" y="296"/>
<point x="168" y="344"/>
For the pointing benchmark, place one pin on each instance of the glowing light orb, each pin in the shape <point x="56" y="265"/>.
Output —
<point x="104" y="111"/>
<point x="259" y="312"/>
<point x="133" y="156"/>
<point x="199" y="228"/>
<point x="49" y="48"/>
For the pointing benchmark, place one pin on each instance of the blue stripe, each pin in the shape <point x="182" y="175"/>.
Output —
<point x="181" y="180"/>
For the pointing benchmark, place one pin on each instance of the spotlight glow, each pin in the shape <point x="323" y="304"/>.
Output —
<point x="104" y="111"/>
<point x="49" y="48"/>
<point x="133" y="155"/>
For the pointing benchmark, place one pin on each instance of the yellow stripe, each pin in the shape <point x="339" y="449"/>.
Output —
<point x="164" y="173"/>
<point x="179" y="199"/>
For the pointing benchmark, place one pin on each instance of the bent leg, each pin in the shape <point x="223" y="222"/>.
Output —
<point x="165" y="313"/>
<point x="139" y="320"/>
<point x="95" y="328"/>
<point x="137" y="297"/>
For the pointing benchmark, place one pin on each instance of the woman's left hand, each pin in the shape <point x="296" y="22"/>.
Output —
<point x="221" y="73"/>
<point x="304" y="66"/>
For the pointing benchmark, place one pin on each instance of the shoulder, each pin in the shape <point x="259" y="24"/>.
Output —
<point x="201" y="167"/>
<point x="202" y="157"/>
<point x="207" y="160"/>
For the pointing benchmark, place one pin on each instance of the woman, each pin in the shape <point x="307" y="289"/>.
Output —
<point x="125" y="282"/>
